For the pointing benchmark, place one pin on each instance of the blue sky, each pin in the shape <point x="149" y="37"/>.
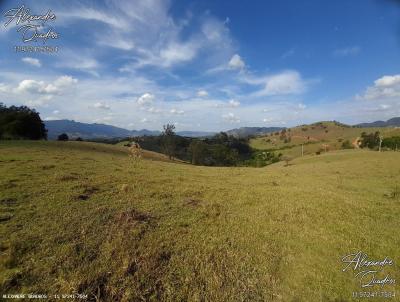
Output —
<point x="207" y="65"/>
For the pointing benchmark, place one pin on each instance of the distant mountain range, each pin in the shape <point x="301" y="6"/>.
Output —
<point x="90" y="131"/>
<point x="98" y="131"/>
<point x="247" y="131"/>
<point x="393" y="122"/>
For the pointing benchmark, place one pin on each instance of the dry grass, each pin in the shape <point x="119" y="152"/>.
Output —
<point x="163" y="231"/>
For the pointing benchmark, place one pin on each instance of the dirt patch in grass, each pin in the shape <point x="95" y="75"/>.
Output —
<point x="5" y="217"/>
<point x="192" y="202"/>
<point x="48" y="167"/>
<point x="86" y="192"/>
<point x="132" y="216"/>
<point x="8" y="202"/>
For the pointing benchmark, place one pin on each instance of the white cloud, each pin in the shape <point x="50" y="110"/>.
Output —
<point x="146" y="99"/>
<point x="236" y="62"/>
<point x="148" y="32"/>
<point x="231" y="118"/>
<point x="176" y="111"/>
<point x="56" y="112"/>
<point x="4" y="88"/>
<point x="387" y="81"/>
<point x="154" y="110"/>
<point x="234" y="103"/>
<point x="347" y="51"/>
<point x="202" y="93"/>
<point x="178" y="52"/>
<point x="31" y="86"/>
<point x="65" y="81"/>
<point x="100" y="105"/>
<point x="230" y="104"/>
<point x="386" y="87"/>
<point x="32" y="61"/>
<point x="284" y="83"/>
<point x="41" y="87"/>
<point x="301" y="106"/>
<point x="144" y="120"/>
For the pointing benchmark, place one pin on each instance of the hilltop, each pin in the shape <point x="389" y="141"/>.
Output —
<point x="316" y="137"/>
<point x="83" y="217"/>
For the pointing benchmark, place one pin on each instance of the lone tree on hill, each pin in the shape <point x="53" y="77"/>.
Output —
<point x="169" y="140"/>
<point x="63" y="137"/>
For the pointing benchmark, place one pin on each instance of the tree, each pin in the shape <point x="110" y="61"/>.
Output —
<point x="198" y="151"/>
<point x="79" y="139"/>
<point x="63" y="137"/>
<point x="21" y="123"/>
<point x="169" y="140"/>
<point x="370" y="141"/>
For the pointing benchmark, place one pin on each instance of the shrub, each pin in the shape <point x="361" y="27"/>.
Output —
<point x="63" y="137"/>
<point x="347" y="145"/>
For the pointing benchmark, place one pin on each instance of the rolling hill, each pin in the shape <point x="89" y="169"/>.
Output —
<point x="250" y="131"/>
<point x="317" y="137"/>
<point x="115" y="230"/>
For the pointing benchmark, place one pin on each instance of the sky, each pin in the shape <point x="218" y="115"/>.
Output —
<point x="206" y="65"/>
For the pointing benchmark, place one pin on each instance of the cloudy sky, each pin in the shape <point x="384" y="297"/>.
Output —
<point x="207" y="64"/>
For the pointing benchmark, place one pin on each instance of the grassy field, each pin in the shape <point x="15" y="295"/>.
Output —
<point x="84" y="218"/>
<point x="316" y="137"/>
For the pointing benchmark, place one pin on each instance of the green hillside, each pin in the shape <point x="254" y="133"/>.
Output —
<point x="316" y="137"/>
<point x="85" y="218"/>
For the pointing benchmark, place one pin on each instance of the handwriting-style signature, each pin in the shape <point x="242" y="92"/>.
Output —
<point x="30" y="26"/>
<point x="367" y="270"/>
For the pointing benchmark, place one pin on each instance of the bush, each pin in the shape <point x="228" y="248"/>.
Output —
<point x="347" y="145"/>
<point x="392" y="143"/>
<point x="63" y="137"/>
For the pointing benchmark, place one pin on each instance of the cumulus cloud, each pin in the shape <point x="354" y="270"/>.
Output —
<point x="146" y="99"/>
<point x="386" y="87"/>
<point x="236" y="62"/>
<point x="32" y="61"/>
<point x="231" y="118"/>
<point x="100" y="105"/>
<point x="41" y="87"/>
<point x="202" y="93"/>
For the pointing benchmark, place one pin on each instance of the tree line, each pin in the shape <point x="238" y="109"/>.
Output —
<point x="219" y="150"/>
<point x="373" y="140"/>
